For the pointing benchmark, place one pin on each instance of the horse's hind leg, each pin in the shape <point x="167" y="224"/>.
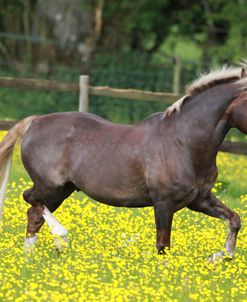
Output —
<point x="35" y="218"/>
<point x="35" y="221"/>
<point x="214" y="207"/>
<point x="44" y="201"/>
<point x="58" y="231"/>
<point x="37" y="215"/>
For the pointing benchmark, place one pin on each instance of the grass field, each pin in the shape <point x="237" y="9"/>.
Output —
<point x="112" y="255"/>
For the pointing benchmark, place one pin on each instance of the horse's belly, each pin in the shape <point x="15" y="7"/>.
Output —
<point x="114" y="183"/>
<point x="119" y="195"/>
<point x="129" y="203"/>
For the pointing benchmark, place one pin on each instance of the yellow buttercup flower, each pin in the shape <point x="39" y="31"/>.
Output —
<point x="112" y="255"/>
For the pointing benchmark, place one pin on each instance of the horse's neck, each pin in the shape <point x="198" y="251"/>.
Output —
<point x="236" y="114"/>
<point x="220" y="132"/>
<point x="200" y="115"/>
<point x="198" y="125"/>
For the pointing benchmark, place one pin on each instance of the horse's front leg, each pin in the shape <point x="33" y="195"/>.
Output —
<point x="214" y="207"/>
<point x="163" y="220"/>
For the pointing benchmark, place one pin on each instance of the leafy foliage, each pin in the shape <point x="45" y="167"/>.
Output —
<point x="136" y="49"/>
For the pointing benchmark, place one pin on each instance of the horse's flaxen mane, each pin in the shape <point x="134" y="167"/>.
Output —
<point x="214" y="78"/>
<point x="208" y="80"/>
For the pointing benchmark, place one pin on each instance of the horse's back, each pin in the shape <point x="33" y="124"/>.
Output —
<point x="58" y="137"/>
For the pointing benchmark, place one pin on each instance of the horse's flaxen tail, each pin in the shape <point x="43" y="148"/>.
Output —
<point x="6" y="149"/>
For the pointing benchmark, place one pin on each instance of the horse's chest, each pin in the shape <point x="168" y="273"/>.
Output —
<point x="210" y="178"/>
<point x="197" y="191"/>
<point x="206" y="184"/>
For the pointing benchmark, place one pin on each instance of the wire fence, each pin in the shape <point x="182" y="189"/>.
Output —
<point x="118" y="73"/>
<point x="128" y="71"/>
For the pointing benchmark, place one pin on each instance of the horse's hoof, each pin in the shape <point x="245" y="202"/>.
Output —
<point x="61" y="243"/>
<point x="215" y="257"/>
<point x="30" y="244"/>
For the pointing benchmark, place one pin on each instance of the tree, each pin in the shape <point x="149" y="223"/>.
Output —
<point x="51" y="30"/>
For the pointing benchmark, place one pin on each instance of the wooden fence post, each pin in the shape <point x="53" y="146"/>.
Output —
<point x="176" y="85"/>
<point x="84" y="92"/>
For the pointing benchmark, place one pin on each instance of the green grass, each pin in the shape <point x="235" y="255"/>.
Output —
<point x="112" y="255"/>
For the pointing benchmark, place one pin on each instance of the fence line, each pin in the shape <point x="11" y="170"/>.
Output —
<point x="37" y="84"/>
<point x="51" y="85"/>
<point x="6" y="125"/>
<point x="134" y="94"/>
<point x="84" y="89"/>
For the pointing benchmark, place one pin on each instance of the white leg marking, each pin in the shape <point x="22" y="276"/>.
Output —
<point x="215" y="257"/>
<point x="30" y="241"/>
<point x="55" y="226"/>
<point x="58" y="231"/>
<point x="30" y="244"/>
<point x="230" y="243"/>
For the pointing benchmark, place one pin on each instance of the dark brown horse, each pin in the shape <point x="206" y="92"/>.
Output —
<point x="167" y="161"/>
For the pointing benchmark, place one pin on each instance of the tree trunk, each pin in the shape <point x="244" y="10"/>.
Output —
<point x="76" y="25"/>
